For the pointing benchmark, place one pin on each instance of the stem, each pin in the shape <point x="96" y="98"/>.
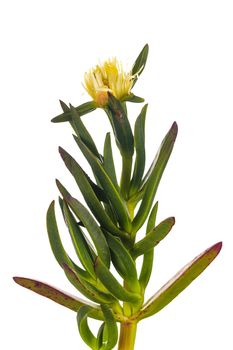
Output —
<point x="127" y="336"/>
<point x="126" y="175"/>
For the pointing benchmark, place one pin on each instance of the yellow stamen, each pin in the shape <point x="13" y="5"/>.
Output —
<point x="108" y="77"/>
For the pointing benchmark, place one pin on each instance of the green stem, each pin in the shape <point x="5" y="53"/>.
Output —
<point x="126" y="176"/>
<point x="127" y="336"/>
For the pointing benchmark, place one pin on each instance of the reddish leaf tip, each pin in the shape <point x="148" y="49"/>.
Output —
<point x="217" y="247"/>
<point x="175" y="128"/>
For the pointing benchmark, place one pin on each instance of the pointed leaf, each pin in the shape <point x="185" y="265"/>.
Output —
<point x="179" y="282"/>
<point x="111" y="192"/>
<point x="84" y="108"/>
<point x="81" y="247"/>
<point x="148" y="257"/>
<point x="121" y="126"/>
<point x="57" y="247"/>
<point x="90" y="224"/>
<point x="123" y="262"/>
<point x="88" y="290"/>
<point x="108" y="165"/>
<point x="139" y="142"/>
<point x="112" y="285"/>
<point x="140" y="62"/>
<point x="58" y="296"/>
<point x="153" y="237"/>
<point x="132" y="98"/>
<point x="153" y="177"/>
<point x="82" y="132"/>
<point x="64" y="106"/>
<point x="88" y="193"/>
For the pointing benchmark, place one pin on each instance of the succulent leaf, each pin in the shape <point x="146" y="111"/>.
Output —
<point x="140" y="62"/>
<point x="63" y="298"/>
<point x="90" y="224"/>
<point x="112" y="285"/>
<point x="148" y="257"/>
<point x="153" y="177"/>
<point x="111" y="191"/>
<point x="153" y="237"/>
<point x="84" y="108"/>
<point x="179" y="282"/>
<point x="139" y="142"/>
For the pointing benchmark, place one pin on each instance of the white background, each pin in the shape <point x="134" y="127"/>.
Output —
<point x="46" y="46"/>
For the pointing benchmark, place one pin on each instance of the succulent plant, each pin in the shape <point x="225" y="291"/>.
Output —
<point x="104" y="232"/>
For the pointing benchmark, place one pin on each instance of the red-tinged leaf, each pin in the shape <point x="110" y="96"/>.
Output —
<point x="58" y="296"/>
<point x="178" y="283"/>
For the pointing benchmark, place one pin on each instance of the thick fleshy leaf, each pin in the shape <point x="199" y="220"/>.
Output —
<point x="132" y="98"/>
<point x="82" y="132"/>
<point x="112" y="285"/>
<point x="111" y="191"/>
<point x="89" y="194"/>
<point x="58" y="296"/>
<point x="83" y="327"/>
<point x="179" y="282"/>
<point x="87" y="289"/>
<point x="84" y="108"/>
<point x="139" y="143"/>
<point x="123" y="262"/>
<point x="110" y="327"/>
<point x="80" y="244"/>
<point x="121" y="126"/>
<point x="148" y="257"/>
<point x="57" y="247"/>
<point x="100" y="339"/>
<point x="108" y="164"/>
<point x="153" y="177"/>
<point x="140" y="62"/>
<point x="89" y="223"/>
<point x="153" y="237"/>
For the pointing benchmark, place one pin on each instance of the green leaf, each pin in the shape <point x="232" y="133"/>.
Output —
<point x="57" y="247"/>
<point x="140" y="63"/>
<point x="90" y="246"/>
<point x="108" y="164"/>
<point x="121" y="126"/>
<point x="111" y="327"/>
<point x="112" y="285"/>
<point x="84" y="330"/>
<point x="100" y="336"/>
<point x="58" y="296"/>
<point x="88" y="193"/>
<point x="179" y="282"/>
<point x="84" y="108"/>
<point x="81" y="247"/>
<point x="64" y="106"/>
<point x="153" y="237"/>
<point x="90" y="224"/>
<point x="132" y="98"/>
<point x="139" y="142"/>
<point x="82" y="132"/>
<point x="87" y="289"/>
<point x="153" y="177"/>
<point x="123" y="262"/>
<point x="148" y="257"/>
<point x="111" y="191"/>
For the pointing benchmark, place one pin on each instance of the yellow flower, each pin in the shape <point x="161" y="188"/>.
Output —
<point x="108" y="77"/>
